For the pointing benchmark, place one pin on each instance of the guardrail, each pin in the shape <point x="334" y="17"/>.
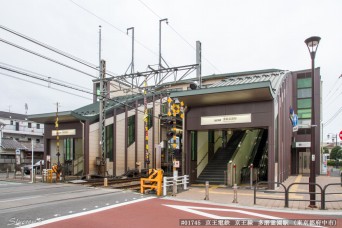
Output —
<point x="324" y="194"/>
<point x="174" y="182"/>
<point x="286" y="191"/>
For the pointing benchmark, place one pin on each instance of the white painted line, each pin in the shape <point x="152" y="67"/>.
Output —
<point x="84" y="209"/>
<point x="194" y="210"/>
<point x="84" y="213"/>
<point x="22" y="198"/>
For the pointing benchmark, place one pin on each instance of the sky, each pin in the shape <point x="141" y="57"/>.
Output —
<point x="236" y="35"/>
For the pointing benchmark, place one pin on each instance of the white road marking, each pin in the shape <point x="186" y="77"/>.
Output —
<point x="194" y="210"/>
<point x="84" y="209"/>
<point x="22" y="198"/>
<point x="84" y="213"/>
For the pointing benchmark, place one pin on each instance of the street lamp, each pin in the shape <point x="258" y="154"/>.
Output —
<point x="312" y="44"/>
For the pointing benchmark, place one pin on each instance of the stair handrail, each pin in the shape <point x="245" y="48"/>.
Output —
<point x="202" y="159"/>
<point x="218" y="139"/>
<point x="237" y="147"/>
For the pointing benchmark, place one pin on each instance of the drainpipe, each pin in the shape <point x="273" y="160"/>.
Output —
<point x="82" y="148"/>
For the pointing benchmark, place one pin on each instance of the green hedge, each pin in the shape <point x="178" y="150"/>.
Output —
<point x="333" y="163"/>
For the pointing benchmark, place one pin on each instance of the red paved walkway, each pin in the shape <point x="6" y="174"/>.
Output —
<point x="163" y="213"/>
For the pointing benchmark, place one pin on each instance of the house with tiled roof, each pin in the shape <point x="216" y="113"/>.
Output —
<point x="16" y="134"/>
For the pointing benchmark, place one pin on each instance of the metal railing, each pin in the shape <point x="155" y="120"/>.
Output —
<point x="174" y="182"/>
<point x="324" y="194"/>
<point x="286" y="191"/>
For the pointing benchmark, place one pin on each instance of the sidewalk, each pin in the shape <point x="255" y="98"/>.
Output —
<point x="245" y="196"/>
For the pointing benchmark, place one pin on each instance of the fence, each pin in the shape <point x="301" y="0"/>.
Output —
<point x="174" y="182"/>
<point x="286" y="191"/>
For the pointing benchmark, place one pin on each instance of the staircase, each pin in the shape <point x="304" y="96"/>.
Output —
<point x="214" y="171"/>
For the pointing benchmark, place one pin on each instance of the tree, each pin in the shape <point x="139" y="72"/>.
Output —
<point x="336" y="153"/>
<point x="325" y="150"/>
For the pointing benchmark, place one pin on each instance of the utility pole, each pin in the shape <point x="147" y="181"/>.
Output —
<point x="57" y="137"/>
<point x="160" y="56"/>
<point x="132" y="61"/>
<point x="100" y="51"/>
<point x="147" y="154"/>
<point x="199" y="62"/>
<point x="102" y="113"/>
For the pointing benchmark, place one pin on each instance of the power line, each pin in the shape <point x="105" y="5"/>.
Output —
<point x="43" y="79"/>
<point x="39" y="84"/>
<point x="48" y="78"/>
<point x="116" y="28"/>
<point x="333" y="117"/>
<point x="67" y="86"/>
<point x="61" y="53"/>
<point x="334" y="90"/>
<point x="182" y="37"/>
<point x="69" y="56"/>
<point x="45" y="57"/>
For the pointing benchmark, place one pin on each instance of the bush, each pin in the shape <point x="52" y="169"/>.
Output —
<point x="334" y="163"/>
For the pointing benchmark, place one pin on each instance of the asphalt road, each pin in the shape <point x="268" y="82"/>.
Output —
<point x="69" y="205"/>
<point x="25" y="203"/>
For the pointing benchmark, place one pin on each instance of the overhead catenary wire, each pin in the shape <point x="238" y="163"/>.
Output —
<point x="68" y="86"/>
<point x="53" y="49"/>
<point x="115" y="27"/>
<point x="39" y="84"/>
<point x="174" y="30"/>
<point x="44" y="76"/>
<point x="46" y="58"/>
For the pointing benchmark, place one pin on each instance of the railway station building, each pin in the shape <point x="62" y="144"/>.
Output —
<point x="233" y="122"/>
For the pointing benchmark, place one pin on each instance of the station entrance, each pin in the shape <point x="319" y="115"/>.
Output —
<point x="229" y="156"/>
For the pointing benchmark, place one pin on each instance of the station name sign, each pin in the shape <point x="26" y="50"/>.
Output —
<point x="64" y="132"/>
<point x="227" y="119"/>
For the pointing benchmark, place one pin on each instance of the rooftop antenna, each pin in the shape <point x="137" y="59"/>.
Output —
<point x="26" y="108"/>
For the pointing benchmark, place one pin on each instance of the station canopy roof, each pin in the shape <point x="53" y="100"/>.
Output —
<point x="89" y="112"/>
<point x="252" y="86"/>
<point x="240" y="87"/>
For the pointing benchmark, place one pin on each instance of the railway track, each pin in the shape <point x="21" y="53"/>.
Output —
<point x="129" y="183"/>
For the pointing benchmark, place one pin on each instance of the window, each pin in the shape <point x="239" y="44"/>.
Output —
<point x="11" y="122"/>
<point x="37" y="140"/>
<point x="304" y="93"/>
<point x="304" y="103"/>
<point x="304" y="113"/>
<point x="29" y="125"/>
<point x="38" y="126"/>
<point x="131" y="130"/>
<point x="109" y="142"/>
<point x="69" y="149"/>
<point x="193" y="145"/>
<point x="149" y="118"/>
<point x="304" y="83"/>
<point x="29" y="139"/>
<point x="164" y="108"/>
